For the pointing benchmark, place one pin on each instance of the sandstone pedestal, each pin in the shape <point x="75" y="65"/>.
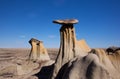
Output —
<point x="69" y="46"/>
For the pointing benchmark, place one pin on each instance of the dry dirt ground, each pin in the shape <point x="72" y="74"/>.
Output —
<point x="11" y="56"/>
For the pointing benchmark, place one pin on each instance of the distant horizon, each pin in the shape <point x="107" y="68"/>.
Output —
<point x="21" y="20"/>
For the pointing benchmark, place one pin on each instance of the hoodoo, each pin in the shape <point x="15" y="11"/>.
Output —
<point x="38" y="51"/>
<point x="33" y="54"/>
<point x="69" y="46"/>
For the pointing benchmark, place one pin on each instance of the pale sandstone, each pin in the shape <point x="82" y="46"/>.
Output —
<point x="69" y="46"/>
<point x="38" y="51"/>
<point x="67" y="21"/>
<point x="96" y="64"/>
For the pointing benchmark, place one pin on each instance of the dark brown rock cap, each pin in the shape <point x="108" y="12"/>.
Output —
<point x="34" y="40"/>
<point x="66" y="21"/>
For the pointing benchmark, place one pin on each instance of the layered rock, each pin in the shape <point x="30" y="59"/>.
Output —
<point x="69" y="46"/>
<point x="33" y="53"/>
<point x="110" y="62"/>
<point x="38" y="51"/>
<point x="96" y="65"/>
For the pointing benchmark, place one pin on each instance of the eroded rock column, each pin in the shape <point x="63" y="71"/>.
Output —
<point x="42" y="54"/>
<point x="33" y="53"/>
<point x="68" y="44"/>
<point x="38" y="51"/>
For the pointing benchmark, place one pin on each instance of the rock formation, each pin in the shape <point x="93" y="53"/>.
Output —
<point x="42" y="54"/>
<point x="112" y="50"/>
<point x="110" y="62"/>
<point x="33" y="54"/>
<point x="96" y="65"/>
<point x="69" y="46"/>
<point x="76" y="61"/>
<point x="38" y="51"/>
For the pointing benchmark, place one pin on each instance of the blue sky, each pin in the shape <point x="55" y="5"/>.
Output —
<point x="20" y="20"/>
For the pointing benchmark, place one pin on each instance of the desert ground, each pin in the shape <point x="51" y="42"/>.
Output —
<point x="9" y="57"/>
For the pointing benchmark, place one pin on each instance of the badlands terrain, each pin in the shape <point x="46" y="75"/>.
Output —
<point x="73" y="60"/>
<point x="10" y="57"/>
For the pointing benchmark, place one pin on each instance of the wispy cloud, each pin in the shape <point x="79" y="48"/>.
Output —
<point x="114" y="43"/>
<point x="22" y="36"/>
<point x="51" y="36"/>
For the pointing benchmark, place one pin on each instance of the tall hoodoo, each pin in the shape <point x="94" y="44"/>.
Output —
<point x="38" y="51"/>
<point x="69" y="46"/>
